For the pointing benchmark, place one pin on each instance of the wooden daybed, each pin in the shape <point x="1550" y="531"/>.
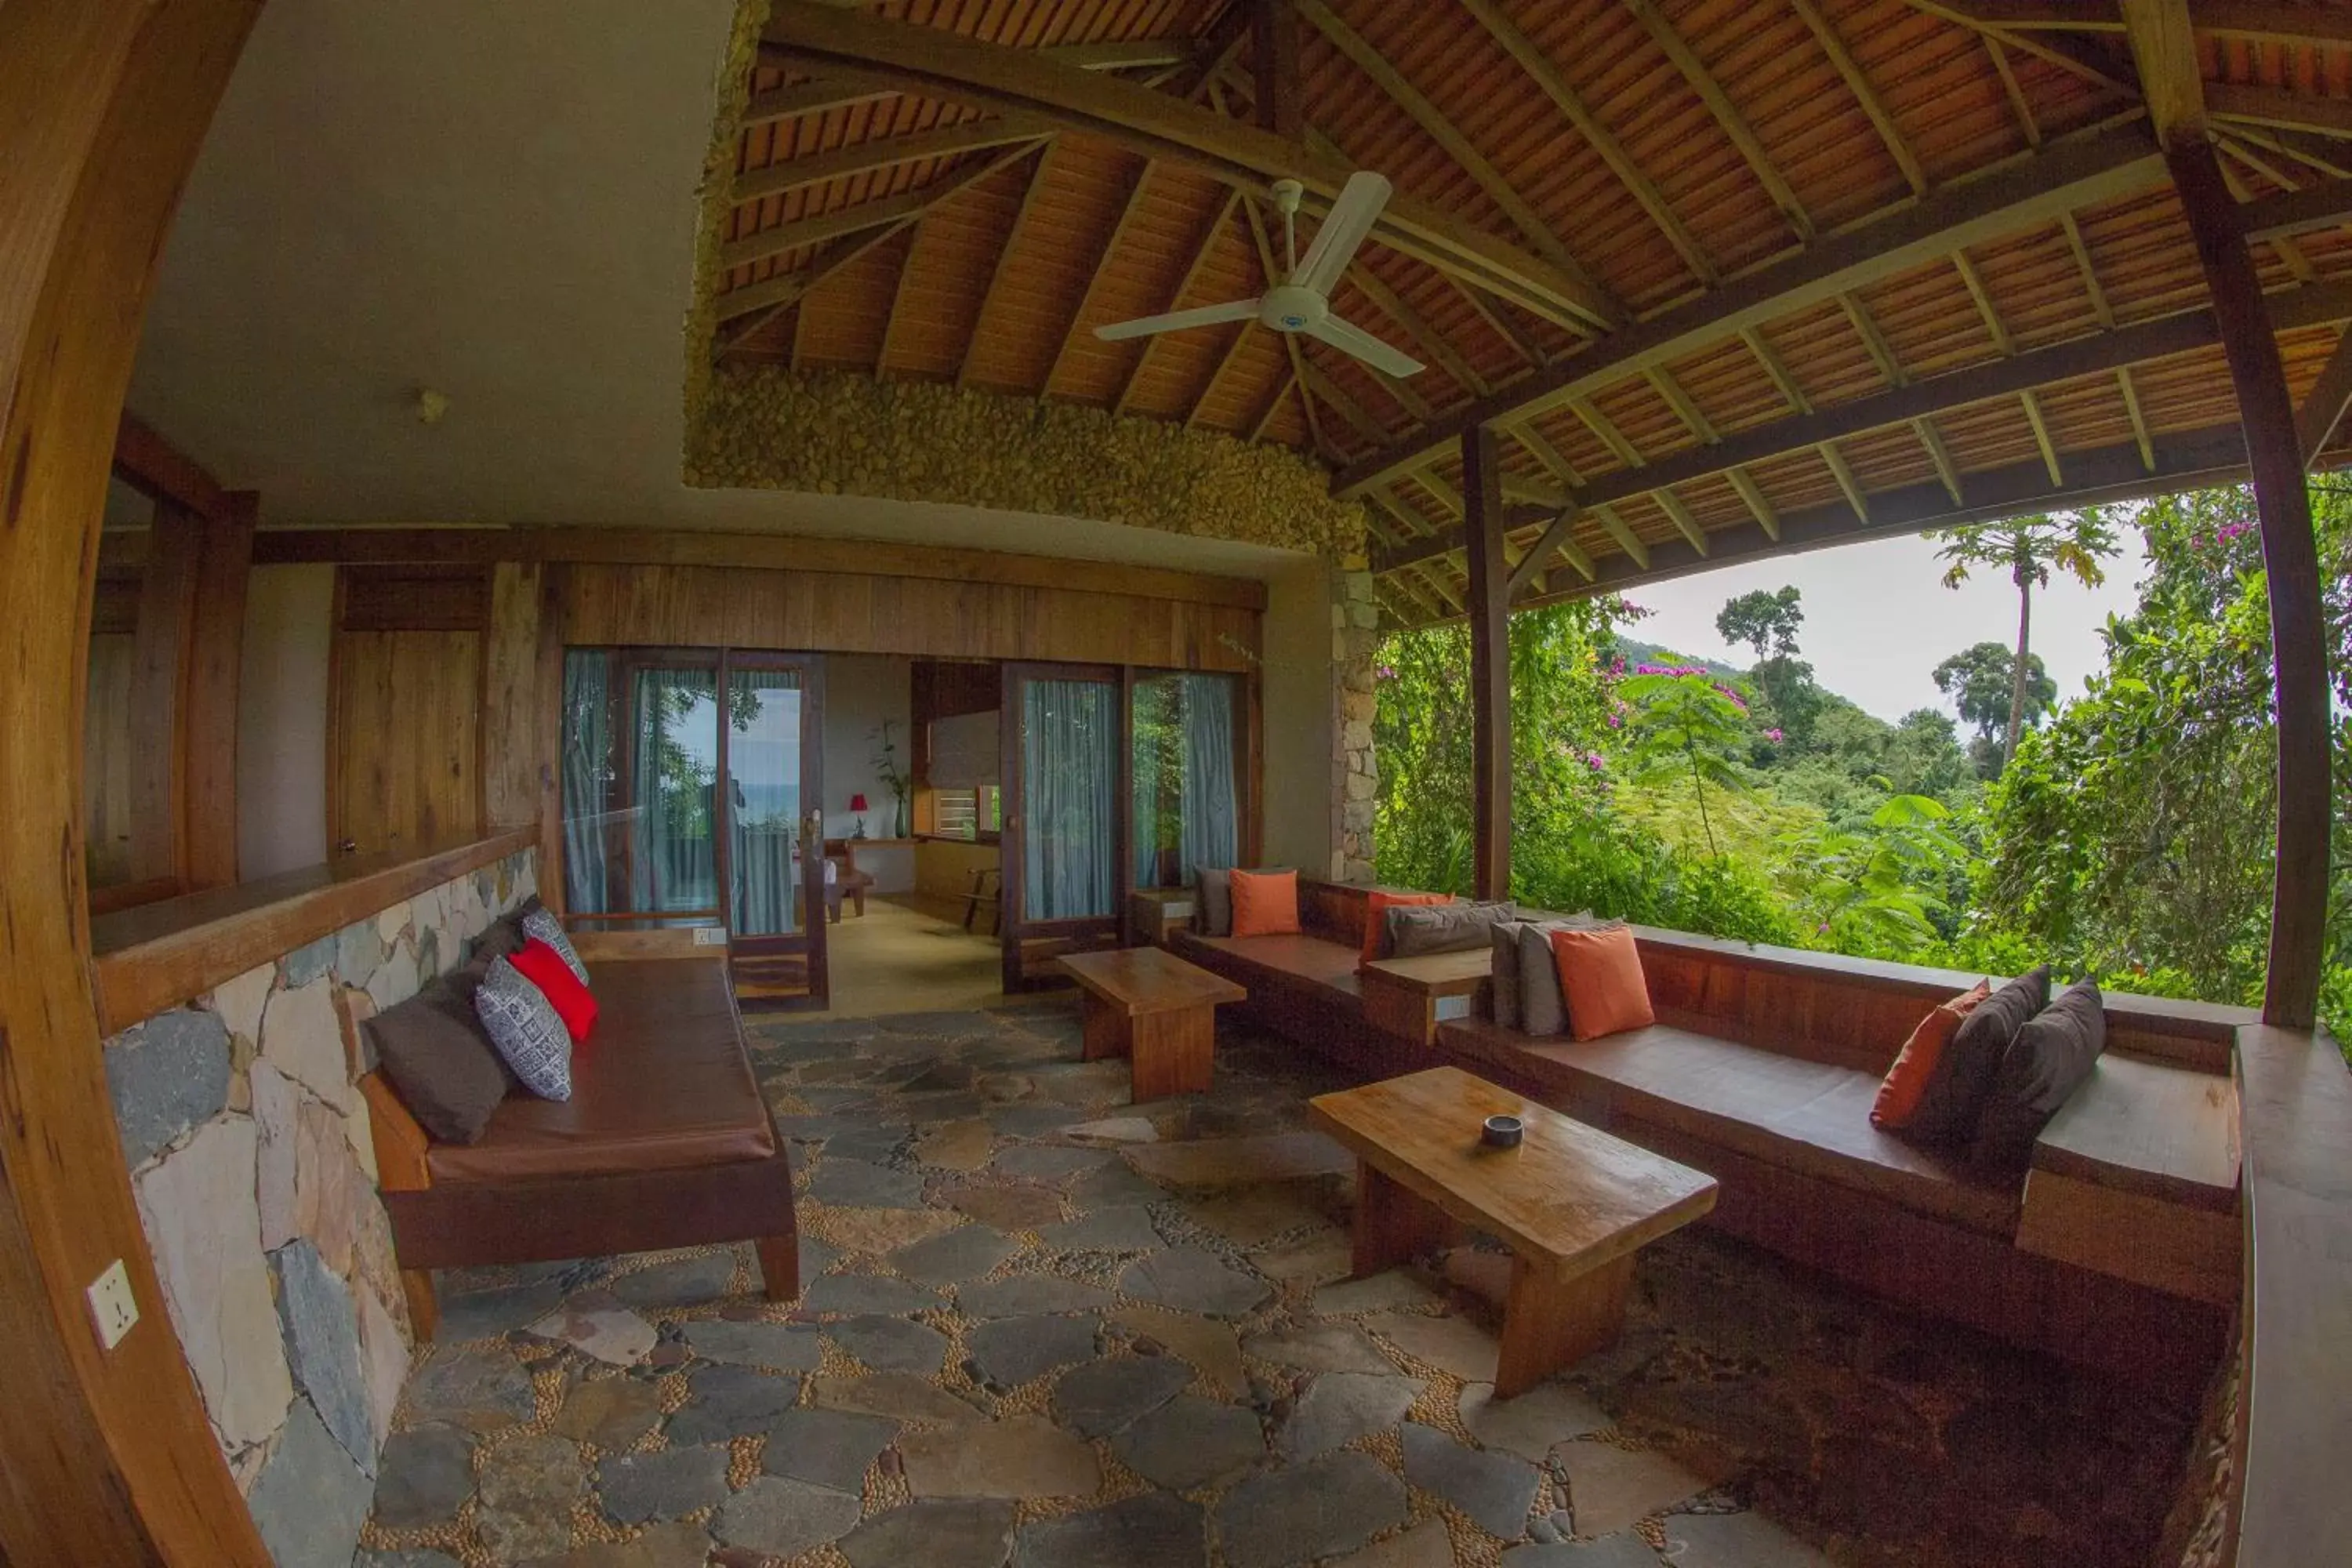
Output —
<point x="665" y="1140"/>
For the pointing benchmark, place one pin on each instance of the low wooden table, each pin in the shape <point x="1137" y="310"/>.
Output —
<point x="1573" y="1203"/>
<point x="1155" y="1009"/>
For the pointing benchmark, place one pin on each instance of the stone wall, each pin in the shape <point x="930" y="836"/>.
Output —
<point x="254" y="1166"/>
<point x="1355" y="769"/>
<point x="769" y="427"/>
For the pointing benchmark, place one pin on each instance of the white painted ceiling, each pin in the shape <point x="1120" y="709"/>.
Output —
<point x="498" y="202"/>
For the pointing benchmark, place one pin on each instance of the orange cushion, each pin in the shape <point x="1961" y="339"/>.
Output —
<point x="1906" y="1081"/>
<point x="1374" y="924"/>
<point x="1600" y="975"/>
<point x="1266" y="903"/>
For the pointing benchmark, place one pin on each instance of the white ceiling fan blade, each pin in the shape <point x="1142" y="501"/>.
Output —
<point x="1350" y="339"/>
<point x="1351" y="219"/>
<point x="1177" y="320"/>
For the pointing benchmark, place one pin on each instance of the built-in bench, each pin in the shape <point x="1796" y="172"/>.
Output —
<point x="2118" y="1249"/>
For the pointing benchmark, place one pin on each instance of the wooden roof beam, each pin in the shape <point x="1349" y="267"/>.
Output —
<point x="835" y="89"/>
<point x="2279" y="107"/>
<point x="1161" y="127"/>
<point x="1539" y="68"/>
<point x="1102" y="264"/>
<point x="1431" y="342"/>
<point x="2020" y="26"/>
<point x="1727" y="115"/>
<point x="1240" y="333"/>
<point x="772" y="295"/>
<point x="2065" y="174"/>
<point x="2324" y="405"/>
<point x="1274" y="64"/>
<point x="2164" y="46"/>
<point x="885" y="152"/>
<point x="2099" y="354"/>
<point x="1417" y="107"/>
<point x="1208" y="242"/>
<point x="1555" y="542"/>
<point x="1898" y="146"/>
<point x="1021" y="216"/>
<point x="897" y="298"/>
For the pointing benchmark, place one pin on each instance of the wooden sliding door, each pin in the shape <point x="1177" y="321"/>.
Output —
<point x="1065" y="841"/>
<point x="404" y="708"/>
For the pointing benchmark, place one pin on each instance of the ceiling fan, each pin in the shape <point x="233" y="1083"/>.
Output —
<point x="1302" y="301"/>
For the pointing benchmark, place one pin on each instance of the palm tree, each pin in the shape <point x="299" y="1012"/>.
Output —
<point x="2074" y="542"/>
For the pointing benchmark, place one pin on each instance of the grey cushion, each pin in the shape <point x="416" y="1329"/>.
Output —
<point x="1953" y="1101"/>
<point x="439" y="1058"/>
<point x="524" y="1026"/>
<point x="2045" y="1065"/>
<point x="1417" y="929"/>
<point x="1216" y="901"/>
<point x="1543" y="1007"/>
<point x="1503" y="991"/>
<point x="541" y="922"/>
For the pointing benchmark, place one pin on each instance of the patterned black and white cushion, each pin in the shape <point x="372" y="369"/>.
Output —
<point x="524" y="1026"/>
<point x="542" y="924"/>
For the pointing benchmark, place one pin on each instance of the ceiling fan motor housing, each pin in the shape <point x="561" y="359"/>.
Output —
<point x="1287" y="307"/>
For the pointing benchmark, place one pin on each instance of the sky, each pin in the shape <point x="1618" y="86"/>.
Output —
<point x="1878" y="618"/>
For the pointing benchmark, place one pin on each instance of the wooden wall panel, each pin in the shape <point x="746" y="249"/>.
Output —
<point x="158" y="692"/>
<point x="405" y="744"/>
<point x="841" y="612"/>
<point x="511" y="696"/>
<point x="215" y="657"/>
<point x="106" y="759"/>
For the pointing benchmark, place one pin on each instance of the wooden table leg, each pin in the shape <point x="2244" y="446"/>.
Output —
<point x="1107" y="1031"/>
<point x="1174" y="1053"/>
<point x="1550" y="1323"/>
<point x="1393" y="1224"/>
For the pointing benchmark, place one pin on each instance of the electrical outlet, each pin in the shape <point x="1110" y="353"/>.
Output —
<point x="711" y="936"/>
<point x="113" y="1309"/>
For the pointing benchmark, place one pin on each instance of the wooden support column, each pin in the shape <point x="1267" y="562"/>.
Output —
<point x="1490" y="664"/>
<point x="216" y="656"/>
<point x="2298" y="642"/>
<point x="105" y="1455"/>
<point x="159" y="691"/>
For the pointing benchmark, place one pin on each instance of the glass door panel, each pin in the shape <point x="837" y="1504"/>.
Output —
<point x="1185" y="779"/>
<point x="673" y="766"/>
<point x="1063" y="843"/>
<point x="766" y="871"/>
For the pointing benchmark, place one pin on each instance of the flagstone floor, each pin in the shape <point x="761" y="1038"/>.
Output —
<point x="1041" y="1326"/>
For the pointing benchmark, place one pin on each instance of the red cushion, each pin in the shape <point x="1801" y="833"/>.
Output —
<point x="573" y="1002"/>
<point x="1376" y="927"/>
<point x="1266" y="903"/>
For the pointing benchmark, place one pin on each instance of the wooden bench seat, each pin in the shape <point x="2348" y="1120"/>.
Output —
<point x="1410" y="998"/>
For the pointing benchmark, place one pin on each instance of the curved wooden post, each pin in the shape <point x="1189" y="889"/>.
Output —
<point x="2298" y="645"/>
<point x="105" y="1455"/>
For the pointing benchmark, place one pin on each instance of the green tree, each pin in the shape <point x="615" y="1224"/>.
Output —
<point x="1765" y="620"/>
<point x="1686" y="725"/>
<point x="2074" y="542"/>
<point x="1982" y="681"/>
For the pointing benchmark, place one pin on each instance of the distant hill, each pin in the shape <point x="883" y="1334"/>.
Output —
<point x="1637" y="652"/>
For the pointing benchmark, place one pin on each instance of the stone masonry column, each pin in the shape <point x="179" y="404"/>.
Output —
<point x="1355" y="770"/>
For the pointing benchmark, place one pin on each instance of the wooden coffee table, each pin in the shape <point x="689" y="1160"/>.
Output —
<point x="1153" y="1008"/>
<point x="1573" y="1203"/>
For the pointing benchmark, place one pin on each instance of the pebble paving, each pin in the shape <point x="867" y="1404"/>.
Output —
<point x="1042" y="1327"/>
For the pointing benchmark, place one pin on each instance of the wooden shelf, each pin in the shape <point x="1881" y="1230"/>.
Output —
<point x="161" y="954"/>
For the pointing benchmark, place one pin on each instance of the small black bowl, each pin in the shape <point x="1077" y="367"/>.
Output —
<point x="1502" y="1132"/>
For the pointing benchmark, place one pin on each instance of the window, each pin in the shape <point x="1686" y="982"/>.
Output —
<point x="1187" y="794"/>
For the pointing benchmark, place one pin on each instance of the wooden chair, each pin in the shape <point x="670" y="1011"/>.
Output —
<point x="848" y="882"/>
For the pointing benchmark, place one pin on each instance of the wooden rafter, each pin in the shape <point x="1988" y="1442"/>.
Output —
<point x="2080" y="56"/>
<point x="1898" y="146"/>
<point x="2278" y="107"/>
<point x="2324" y="405"/>
<point x="1526" y="434"/>
<point x="1499" y="324"/>
<point x="1224" y="362"/>
<point x="2027" y="125"/>
<point x="1037" y="178"/>
<point x="1427" y="337"/>
<point x="2064" y="176"/>
<point x="1127" y="212"/>
<point x="2163" y="338"/>
<point x="1335" y="397"/>
<point x="770" y="296"/>
<point x="1565" y="98"/>
<point x="2005" y="344"/>
<point x="1727" y="115"/>
<point x="1417" y="107"/>
<point x="837" y="89"/>
<point x="1274" y="64"/>
<point x="1282" y="389"/>
<point x="897" y="298"/>
<point x="1161" y="126"/>
<point x="884" y="153"/>
<point x="1210" y="235"/>
<point x="1555" y="541"/>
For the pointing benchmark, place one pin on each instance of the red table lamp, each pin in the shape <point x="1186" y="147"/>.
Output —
<point x="857" y="804"/>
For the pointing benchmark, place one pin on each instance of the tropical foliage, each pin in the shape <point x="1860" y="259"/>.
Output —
<point x="2128" y="837"/>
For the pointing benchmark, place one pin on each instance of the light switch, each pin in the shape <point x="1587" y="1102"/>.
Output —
<point x="112" y="1311"/>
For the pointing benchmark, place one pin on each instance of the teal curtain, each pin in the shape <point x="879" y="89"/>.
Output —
<point x="674" y="761"/>
<point x="1157" y="726"/>
<point x="763" y="767"/>
<point x="1210" y="814"/>
<point x="588" y="785"/>
<point x="1069" y="772"/>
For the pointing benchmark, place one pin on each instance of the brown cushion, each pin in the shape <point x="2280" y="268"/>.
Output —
<point x="1954" y="1099"/>
<point x="663" y="1083"/>
<point x="434" y="1051"/>
<point x="502" y="937"/>
<point x="1442" y="928"/>
<point x="1216" y="901"/>
<point x="2042" y="1068"/>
